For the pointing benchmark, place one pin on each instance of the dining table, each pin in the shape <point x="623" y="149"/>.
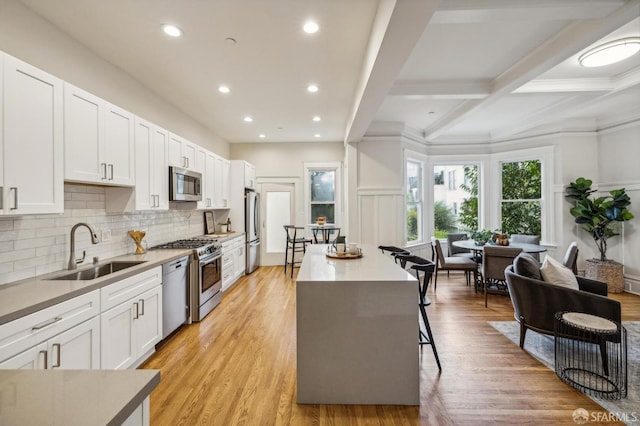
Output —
<point x="325" y="231"/>
<point x="526" y="247"/>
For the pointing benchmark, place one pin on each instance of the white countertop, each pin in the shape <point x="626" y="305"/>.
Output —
<point x="33" y="294"/>
<point x="372" y="266"/>
<point x="73" y="397"/>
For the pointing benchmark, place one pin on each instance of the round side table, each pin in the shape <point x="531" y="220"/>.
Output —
<point x="591" y="354"/>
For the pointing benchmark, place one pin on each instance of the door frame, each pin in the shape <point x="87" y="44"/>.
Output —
<point x="298" y="210"/>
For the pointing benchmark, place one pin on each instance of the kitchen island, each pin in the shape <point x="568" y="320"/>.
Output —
<point x="357" y="330"/>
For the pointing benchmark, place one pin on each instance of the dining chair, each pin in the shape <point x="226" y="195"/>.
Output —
<point x="295" y="244"/>
<point x="449" y="263"/>
<point x="495" y="259"/>
<point x="571" y="257"/>
<point x="527" y="239"/>
<point x="458" y="251"/>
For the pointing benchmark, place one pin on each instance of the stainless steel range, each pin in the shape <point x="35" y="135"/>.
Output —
<point x="205" y="276"/>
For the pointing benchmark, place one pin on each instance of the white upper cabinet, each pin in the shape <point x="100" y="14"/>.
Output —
<point x="98" y="140"/>
<point x="182" y="153"/>
<point x="152" y="168"/>
<point x="208" y="196"/>
<point x="31" y="140"/>
<point x="249" y="175"/>
<point x="119" y="146"/>
<point x="221" y="183"/>
<point x="200" y="166"/>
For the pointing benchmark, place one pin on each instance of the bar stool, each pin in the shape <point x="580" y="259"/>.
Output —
<point x="424" y="272"/>
<point x="393" y="251"/>
<point x="295" y="244"/>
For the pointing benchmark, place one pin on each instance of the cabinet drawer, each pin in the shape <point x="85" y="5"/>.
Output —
<point x="23" y="333"/>
<point x="116" y="293"/>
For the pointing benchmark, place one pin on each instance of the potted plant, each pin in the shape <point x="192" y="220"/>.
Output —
<point x="601" y="218"/>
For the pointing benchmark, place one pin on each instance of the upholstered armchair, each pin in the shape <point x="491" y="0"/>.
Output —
<point x="535" y="301"/>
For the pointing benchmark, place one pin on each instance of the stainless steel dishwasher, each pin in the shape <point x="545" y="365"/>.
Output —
<point x="174" y="294"/>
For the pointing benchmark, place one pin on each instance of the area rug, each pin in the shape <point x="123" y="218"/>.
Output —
<point x="540" y="346"/>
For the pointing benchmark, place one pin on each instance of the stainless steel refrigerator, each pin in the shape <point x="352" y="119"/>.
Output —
<point x="252" y="227"/>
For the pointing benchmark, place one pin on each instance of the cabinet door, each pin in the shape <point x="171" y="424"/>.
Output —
<point x="149" y="322"/>
<point x="160" y="168"/>
<point x="143" y="136"/>
<point x="119" y="145"/>
<point x="200" y="165"/>
<point x="209" y="197"/>
<point x="176" y="157"/>
<point x="83" y="136"/>
<point x="77" y="348"/>
<point x="226" y="170"/>
<point x="117" y="347"/>
<point x="189" y="154"/>
<point x="249" y="176"/>
<point x="33" y="140"/>
<point x="30" y="359"/>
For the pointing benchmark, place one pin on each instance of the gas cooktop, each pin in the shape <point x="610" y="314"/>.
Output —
<point x="200" y="245"/>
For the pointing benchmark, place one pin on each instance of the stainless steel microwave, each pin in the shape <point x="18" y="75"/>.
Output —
<point x="184" y="185"/>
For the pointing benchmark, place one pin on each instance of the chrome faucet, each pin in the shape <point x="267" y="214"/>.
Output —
<point x="73" y="262"/>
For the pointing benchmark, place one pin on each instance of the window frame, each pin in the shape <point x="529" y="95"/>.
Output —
<point x="334" y="166"/>
<point x="416" y="158"/>
<point x="545" y="156"/>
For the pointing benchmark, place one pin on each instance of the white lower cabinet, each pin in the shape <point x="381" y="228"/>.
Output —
<point x="131" y="329"/>
<point x="233" y="261"/>
<point x="58" y="337"/>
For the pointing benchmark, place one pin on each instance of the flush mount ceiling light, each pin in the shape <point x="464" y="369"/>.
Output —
<point x="611" y="52"/>
<point x="223" y="89"/>
<point x="310" y="27"/>
<point x="312" y="88"/>
<point x="171" y="30"/>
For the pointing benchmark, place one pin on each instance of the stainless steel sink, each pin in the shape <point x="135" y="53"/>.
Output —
<point x="97" y="271"/>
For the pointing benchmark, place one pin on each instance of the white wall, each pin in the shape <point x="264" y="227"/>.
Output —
<point x="30" y="38"/>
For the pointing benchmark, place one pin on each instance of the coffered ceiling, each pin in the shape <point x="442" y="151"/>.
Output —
<point x="446" y="71"/>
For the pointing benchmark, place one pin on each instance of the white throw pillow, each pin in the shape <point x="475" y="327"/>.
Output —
<point x="554" y="272"/>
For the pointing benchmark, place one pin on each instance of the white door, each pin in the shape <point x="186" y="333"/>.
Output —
<point x="278" y="209"/>
<point x="118" y="341"/>
<point x="149" y="321"/>
<point x="119" y="146"/>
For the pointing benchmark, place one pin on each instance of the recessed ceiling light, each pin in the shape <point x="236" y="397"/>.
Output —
<point x="611" y="52"/>
<point x="262" y="136"/>
<point x="171" y="30"/>
<point x="223" y="89"/>
<point x="310" y="27"/>
<point x="317" y="135"/>
<point x="312" y="88"/>
<point x="248" y="119"/>
<point x="316" y="118"/>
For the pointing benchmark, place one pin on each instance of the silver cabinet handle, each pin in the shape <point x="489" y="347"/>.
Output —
<point x="137" y="314"/>
<point x="141" y="306"/>
<point x="104" y="170"/>
<point x="157" y="201"/>
<point x="57" y="348"/>
<point x="46" y="362"/>
<point x="15" y="197"/>
<point x="46" y="323"/>
<point x="1" y="197"/>
<point x="111" y="171"/>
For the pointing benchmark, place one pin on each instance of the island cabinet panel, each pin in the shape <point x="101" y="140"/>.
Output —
<point x="357" y="330"/>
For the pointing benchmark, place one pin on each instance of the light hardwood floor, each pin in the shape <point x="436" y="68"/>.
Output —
<point x="238" y="366"/>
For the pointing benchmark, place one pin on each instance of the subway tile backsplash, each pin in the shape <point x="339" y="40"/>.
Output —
<point x="37" y="244"/>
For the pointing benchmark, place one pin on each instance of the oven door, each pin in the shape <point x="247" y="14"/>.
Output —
<point x="210" y="277"/>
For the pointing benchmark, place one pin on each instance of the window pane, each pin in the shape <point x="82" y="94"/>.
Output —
<point x="413" y="182"/>
<point x="522" y="180"/>
<point x="521" y="218"/>
<point x="323" y="185"/>
<point x="413" y="227"/>
<point x="455" y="204"/>
<point x="323" y="210"/>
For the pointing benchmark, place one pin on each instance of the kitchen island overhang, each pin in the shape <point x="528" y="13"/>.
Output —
<point x="357" y="330"/>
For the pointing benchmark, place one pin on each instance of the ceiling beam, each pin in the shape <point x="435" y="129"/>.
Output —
<point x="441" y="89"/>
<point x="398" y="26"/>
